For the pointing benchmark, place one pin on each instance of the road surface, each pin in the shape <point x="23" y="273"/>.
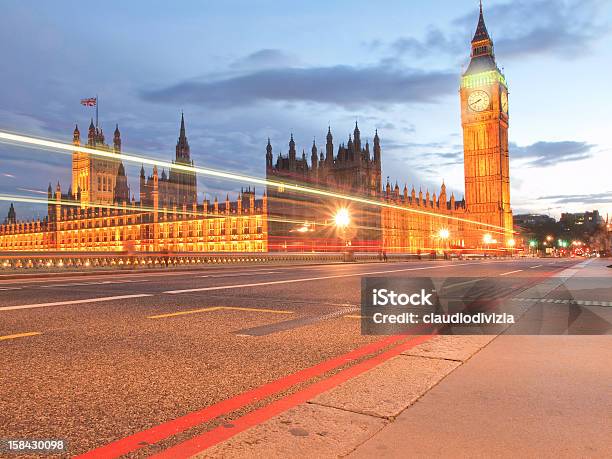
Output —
<point x="97" y="358"/>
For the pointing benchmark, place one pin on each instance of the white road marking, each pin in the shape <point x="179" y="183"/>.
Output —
<point x="578" y="302"/>
<point x="536" y="266"/>
<point x="75" y="284"/>
<point x="10" y="288"/>
<point x="308" y="279"/>
<point x="62" y="303"/>
<point x="462" y="283"/>
<point x="511" y="272"/>
<point x="216" y="276"/>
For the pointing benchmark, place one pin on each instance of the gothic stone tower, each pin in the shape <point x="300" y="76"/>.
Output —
<point x="93" y="178"/>
<point x="183" y="183"/>
<point x="484" y="117"/>
<point x="354" y="170"/>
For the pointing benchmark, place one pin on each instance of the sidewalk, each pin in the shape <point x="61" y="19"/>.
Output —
<point x="521" y="396"/>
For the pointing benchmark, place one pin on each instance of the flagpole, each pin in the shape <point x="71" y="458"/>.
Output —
<point x="96" y="111"/>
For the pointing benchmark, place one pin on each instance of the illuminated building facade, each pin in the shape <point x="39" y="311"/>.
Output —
<point x="407" y="222"/>
<point x="101" y="216"/>
<point x="484" y="118"/>
<point x="354" y="171"/>
<point x="99" y="211"/>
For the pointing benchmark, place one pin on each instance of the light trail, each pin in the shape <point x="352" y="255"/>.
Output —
<point x="136" y="209"/>
<point x="144" y="209"/>
<point x="19" y="139"/>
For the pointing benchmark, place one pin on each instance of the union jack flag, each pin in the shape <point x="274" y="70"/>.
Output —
<point x="91" y="102"/>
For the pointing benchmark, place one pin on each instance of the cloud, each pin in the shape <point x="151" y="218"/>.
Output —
<point x="593" y="198"/>
<point x="566" y="28"/>
<point x="265" y="58"/>
<point x="542" y="154"/>
<point x="342" y="85"/>
<point x="435" y="41"/>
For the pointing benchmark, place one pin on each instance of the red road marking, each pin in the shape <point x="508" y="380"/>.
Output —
<point x="178" y="425"/>
<point x="219" y="434"/>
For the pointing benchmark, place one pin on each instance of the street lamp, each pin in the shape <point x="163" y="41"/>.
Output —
<point x="444" y="234"/>
<point x="487" y="239"/>
<point x="342" y="218"/>
<point x="511" y="243"/>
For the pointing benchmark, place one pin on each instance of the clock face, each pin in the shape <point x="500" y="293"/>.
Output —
<point x="504" y="101"/>
<point x="478" y="101"/>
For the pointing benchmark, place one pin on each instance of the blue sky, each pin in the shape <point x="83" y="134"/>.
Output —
<point x="243" y="71"/>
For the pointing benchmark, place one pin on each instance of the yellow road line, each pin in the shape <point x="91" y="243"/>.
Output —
<point x="19" y="335"/>
<point x="218" y="308"/>
<point x="271" y="311"/>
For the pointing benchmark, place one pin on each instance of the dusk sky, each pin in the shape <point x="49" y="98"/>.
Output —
<point x="243" y="71"/>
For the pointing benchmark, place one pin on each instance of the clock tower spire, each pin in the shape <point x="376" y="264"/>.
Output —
<point x="485" y="118"/>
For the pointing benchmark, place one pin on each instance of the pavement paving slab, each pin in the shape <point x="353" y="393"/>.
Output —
<point x="307" y="430"/>
<point x="388" y="389"/>
<point x="452" y="347"/>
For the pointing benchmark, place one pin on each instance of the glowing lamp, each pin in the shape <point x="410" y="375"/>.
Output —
<point x="342" y="218"/>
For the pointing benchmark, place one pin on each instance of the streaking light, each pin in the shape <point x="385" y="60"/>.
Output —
<point x="54" y="145"/>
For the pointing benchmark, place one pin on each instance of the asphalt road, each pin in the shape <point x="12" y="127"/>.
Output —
<point x="98" y="358"/>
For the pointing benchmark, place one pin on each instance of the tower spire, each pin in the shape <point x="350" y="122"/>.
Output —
<point x="481" y="29"/>
<point x="483" y="53"/>
<point x="182" y="146"/>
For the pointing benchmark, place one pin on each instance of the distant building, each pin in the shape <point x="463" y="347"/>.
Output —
<point x="533" y="219"/>
<point x="583" y="221"/>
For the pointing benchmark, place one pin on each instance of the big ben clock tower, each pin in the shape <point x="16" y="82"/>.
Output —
<point x="484" y="118"/>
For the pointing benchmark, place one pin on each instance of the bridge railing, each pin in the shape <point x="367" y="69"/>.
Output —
<point x="12" y="261"/>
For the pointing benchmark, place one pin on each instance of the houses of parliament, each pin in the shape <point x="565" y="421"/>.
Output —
<point x="99" y="212"/>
